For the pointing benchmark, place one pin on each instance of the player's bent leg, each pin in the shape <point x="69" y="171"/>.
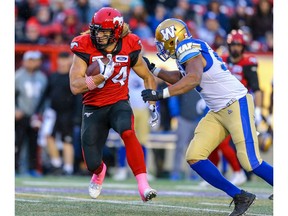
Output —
<point x="265" y="171"/>
<point x="135" y="159"/>
<point x="210" y="173"/>
<point x="251" y="161"/>
<point x="134" y="152"/>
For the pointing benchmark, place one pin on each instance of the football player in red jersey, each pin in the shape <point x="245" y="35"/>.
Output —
<point x="244" y="67"/>
<point x="106" y="95"/>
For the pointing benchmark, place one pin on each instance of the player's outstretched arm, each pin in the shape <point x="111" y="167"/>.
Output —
<point x="168" y="76"/>
<point x="194" y="70"/>
<point x="141" y="69"/>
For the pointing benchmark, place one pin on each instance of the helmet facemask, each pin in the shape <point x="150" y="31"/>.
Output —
<point x="236" y="38"/>
<point x="99" y="35"/>
<point x="166" y="49"/>
<point x="163" y="54"/>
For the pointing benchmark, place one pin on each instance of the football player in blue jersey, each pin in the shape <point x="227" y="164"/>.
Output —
<point x="231" y="107"/>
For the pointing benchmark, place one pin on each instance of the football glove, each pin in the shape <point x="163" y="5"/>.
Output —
<point x="151" y="66"/>
<point x="151" y="95"/>
<point x="154" y="120"/>
<point x="108" y="69"/>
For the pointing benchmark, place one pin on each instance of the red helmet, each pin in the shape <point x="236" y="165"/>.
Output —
<point x="236" y="37"/>
<point x="106" y="19"/>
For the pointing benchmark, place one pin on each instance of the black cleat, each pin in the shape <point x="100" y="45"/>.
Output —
<point x="242" y="203"/>
<point x="270" y="197"/>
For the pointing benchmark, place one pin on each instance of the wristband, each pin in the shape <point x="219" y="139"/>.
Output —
<point x="166" y="93"/>
<point x="90" y="83"/>
<point x="156" y="71"/>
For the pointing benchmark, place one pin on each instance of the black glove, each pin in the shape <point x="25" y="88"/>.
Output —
<point x="151" y="66"/>
<point x="151" y="95"/>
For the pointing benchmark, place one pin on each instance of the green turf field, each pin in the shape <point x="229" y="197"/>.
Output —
<point x="68" y="196"/>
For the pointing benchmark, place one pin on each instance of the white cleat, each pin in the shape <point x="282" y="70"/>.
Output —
<point x="94" y="190"/>
<point x="149" y="194"/>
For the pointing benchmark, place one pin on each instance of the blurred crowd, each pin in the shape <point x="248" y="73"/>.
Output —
<point x="58" y="21"/>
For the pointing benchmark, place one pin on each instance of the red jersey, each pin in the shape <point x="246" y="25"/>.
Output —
<point x="125" y="56"/>
<point x="245" y="71"/>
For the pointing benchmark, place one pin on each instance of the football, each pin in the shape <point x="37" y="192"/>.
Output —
<point x="94" y="69"/>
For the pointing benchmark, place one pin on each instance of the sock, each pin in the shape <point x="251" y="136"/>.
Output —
<point x="142" y="182"/>
<point x="209" y="172"/>
<point x="122" y="156"/>
<point x="265" y="171"/>
<point x="134" y="152"/>
<point x="99" y="174"/>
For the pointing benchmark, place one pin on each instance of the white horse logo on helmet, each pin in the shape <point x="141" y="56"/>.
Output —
<point x="119" y="19"/>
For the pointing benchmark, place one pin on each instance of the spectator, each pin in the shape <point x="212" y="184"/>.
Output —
<point x="211" y="30"/>
<point x="152" y="4"/>
<point x="262" y="20"/>
<point x="71" y="25"/>
<point x="84" y="11"/>
<point x="193" y="28"/>
<point x="58" y="7"/>
<point x="19" y="26"/>
<point x="183" y="11"/>
<point x="187" y="118"/>
<point x="48" y="28"/>
<point x="32" y="33"/>
<point x="30" y="83"/>
<point x="27" y="9"/>
<point x="160" y="13"/>
<point x="214" y="6"/>
<point x="242" y="15"/>
<point x="63" y="102"/>
<point x="138" y="21"/>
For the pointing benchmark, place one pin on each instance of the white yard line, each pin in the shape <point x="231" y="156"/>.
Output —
<point x="78" y="184"/>
<point x="213" y="204"/>
<point x="211" y="188"/>
<point x="151" y="204"/>
<point x="27" y="200"/>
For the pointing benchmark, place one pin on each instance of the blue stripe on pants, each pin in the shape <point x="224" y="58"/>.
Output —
<point x="246" y="127"/>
